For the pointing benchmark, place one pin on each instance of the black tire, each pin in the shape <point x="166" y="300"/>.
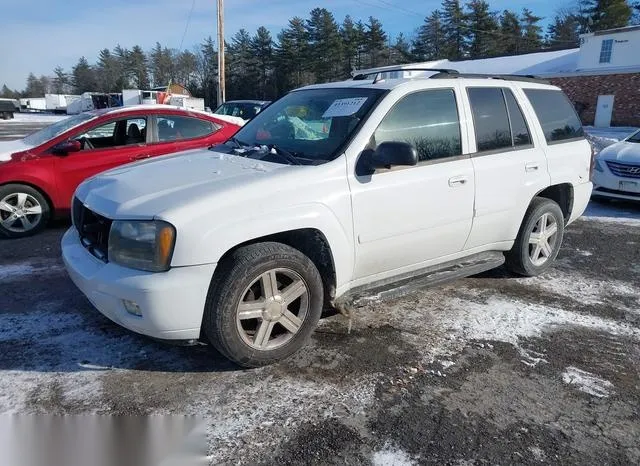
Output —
<point x="518" y="259"/>
<point x="5" y="115"/>
<point x="235" y="274"/>
<point x="10" y="189"/>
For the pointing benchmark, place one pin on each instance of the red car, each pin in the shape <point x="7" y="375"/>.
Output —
<point x="39" y="174"/>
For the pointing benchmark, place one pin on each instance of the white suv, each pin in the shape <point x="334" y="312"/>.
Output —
<point x="331" y="191"/>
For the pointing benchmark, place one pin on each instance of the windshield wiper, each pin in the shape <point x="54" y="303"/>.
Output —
<point x="288" y="156"/>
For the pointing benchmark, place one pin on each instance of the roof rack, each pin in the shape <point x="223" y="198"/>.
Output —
<point x="363" y="76"/>
<point x="507" y="77"/>
<point x="446" y="73"/>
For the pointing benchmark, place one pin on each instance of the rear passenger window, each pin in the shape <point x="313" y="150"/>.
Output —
<point x="497" y="118"/>
<point x="557" y="116"/>
<point x="428" y="120"/>
<point x="174" y="128"/>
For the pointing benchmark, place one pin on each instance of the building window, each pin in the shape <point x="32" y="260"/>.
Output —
<point x="605" y="51"/>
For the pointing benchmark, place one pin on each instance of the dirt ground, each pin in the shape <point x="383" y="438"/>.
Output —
<point x="489" y="369"/>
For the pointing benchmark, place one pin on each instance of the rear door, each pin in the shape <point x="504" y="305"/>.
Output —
<point x="509" y="163"/>
<point x="174" y="133"/>
<point x="104" y="146"/>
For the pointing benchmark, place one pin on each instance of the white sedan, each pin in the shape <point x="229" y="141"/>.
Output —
<point x="616" y="172"/>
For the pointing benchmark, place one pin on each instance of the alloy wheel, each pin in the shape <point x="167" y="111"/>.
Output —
<point x="272" y="309"/>
<point x="542" y="239"/>
<point x="20" y="212"/>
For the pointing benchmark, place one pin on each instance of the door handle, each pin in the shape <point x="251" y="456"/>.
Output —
<point x="458" y="181"/>
<point x="140" y="157"/>
<point x="531" y="167"/>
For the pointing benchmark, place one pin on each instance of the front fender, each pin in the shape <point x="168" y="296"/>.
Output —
<point x="196" y="246"/>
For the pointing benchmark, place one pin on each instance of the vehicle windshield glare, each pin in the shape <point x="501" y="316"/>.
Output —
<point x="56" y="129"/>
<point x="312" y="124"/>
<point x="635" y="137"/>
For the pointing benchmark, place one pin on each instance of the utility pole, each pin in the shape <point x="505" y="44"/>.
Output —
<point x="221" y="88"/>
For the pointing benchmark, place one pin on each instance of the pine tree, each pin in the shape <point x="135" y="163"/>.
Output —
<point x="122" y="73"/>
<point x="430" y="41"/>
<point x="60" y="81"/>
<point x="107" y="71"/>
<point x="292" y="56"/>
<point x="241" y="72"/>
<point x="137" y="68"/>
<point x="510" y="33"/>
<point x="325" y="45"/>
<point x="401" y="51"/>
<point x="6" y="93"/>
<point x="84" y="77"/>
<point x="564" y="32"/>
<point x="375" y="42"/>
<point x="483" y="27"/>
<point x="455" y="29"/>
<point x="532" y="32"/>
<point x="161" y="65"/>
<point x="352" y="36"/>
<point x="207" y="63"/>
<point x="262" y="49"/>
<point x="605" y="14"/>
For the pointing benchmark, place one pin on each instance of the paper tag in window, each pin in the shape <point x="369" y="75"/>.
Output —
<point x="344" y="107"/>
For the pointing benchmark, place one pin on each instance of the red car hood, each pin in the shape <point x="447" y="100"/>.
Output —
<point x="10" y="147"/>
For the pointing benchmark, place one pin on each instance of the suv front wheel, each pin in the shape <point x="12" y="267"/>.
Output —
<point x="539" y="239"/>
<point x="264" y="302"/>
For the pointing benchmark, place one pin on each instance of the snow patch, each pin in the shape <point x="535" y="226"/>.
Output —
<point x="15" y="270"/>
<point x="587" y="382"/>
<point x="626" y="214"/>
<point x="392" y="457"/>
<point x="34" y="118"/>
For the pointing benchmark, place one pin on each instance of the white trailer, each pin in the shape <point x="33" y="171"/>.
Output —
<point x="34" y="104"/>
<point x="57" y="103"/>
<point x="195" y="103"/>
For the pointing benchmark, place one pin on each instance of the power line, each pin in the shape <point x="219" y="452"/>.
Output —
<point x="186" y="26"/>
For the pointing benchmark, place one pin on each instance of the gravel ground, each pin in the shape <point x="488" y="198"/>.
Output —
<point x="488" y="369"/>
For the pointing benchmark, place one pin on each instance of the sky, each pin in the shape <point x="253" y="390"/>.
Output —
<point x="38" y="35"/>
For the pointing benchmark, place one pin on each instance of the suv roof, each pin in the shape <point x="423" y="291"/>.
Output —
<point x="373" y="80"/>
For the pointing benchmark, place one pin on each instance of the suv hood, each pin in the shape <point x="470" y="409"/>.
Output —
<point x="622" y="151"/>
<point x="147" y="189"/>
<point x="10" y="147"/>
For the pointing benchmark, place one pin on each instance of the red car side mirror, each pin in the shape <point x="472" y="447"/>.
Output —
<point x="66" y="147"/>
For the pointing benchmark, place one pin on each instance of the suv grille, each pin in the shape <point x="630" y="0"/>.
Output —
<point x="624" y="169"/>
<point x="93" y="230"/>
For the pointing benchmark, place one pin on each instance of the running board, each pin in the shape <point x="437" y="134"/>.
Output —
<point x="407" y="283"/>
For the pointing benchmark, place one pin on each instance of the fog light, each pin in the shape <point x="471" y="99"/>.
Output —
<point x="132" y="307"/>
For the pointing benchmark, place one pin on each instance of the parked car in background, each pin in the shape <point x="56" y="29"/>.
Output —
<point x="331" y="191"/>
<point x="245" y="109"/>
<point x="616" y="172"/>
<point x="38" y="174"/>
<point x="7" y="109"/>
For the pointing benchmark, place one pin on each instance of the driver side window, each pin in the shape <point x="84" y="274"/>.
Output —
<point x="428" y="120"/>
<point x="125" y="132"/>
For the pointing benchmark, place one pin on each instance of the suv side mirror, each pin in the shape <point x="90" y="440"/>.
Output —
<point x="391" y="153"/>
<point x="66" y="147"/>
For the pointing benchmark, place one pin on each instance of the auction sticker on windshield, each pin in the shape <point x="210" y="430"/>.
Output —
<point x="344" y="107"/>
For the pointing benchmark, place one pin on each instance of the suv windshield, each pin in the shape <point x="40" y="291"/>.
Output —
<point x="635" y="137"/>
<point x="310" y="124"/>
<point x="56" y="129"/>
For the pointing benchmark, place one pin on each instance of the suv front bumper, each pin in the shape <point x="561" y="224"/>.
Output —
<point x="171" y="303"/>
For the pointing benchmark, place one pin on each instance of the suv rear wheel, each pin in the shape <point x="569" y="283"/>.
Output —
<point x="23" y="211"/>
<point x="539" y="239"/>
<point x="263" y="304"/>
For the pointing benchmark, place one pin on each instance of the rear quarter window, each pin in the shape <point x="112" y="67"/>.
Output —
<point x="558" y="118"/>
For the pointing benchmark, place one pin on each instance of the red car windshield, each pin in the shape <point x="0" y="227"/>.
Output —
<point x="56" y="129"/>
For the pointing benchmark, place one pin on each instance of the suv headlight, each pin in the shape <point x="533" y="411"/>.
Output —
<point x="143" y="245"/>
